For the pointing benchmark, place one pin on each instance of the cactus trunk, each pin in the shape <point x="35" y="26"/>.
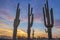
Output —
<point x="14" y="33"/>
<point x="49" y="33"/>
<point x="29" y="30"/>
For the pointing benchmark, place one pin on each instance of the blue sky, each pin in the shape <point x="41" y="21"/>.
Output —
<point x="8" y="11"/>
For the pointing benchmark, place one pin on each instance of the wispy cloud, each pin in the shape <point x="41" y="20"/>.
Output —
<point x="57" y="23"/>
<point x="6" y="14"/>
<point x="9" y="32"/>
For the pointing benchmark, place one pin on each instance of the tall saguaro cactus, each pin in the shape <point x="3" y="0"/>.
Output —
<point x="48" y="19"/>
<point x="30" y="20"/>
<point x="16" y="22"/>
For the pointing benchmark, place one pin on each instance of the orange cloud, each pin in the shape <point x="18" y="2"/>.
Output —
<point x="20" y="33"/>
<point x="9" y="32"/>
<point x="6" y="14"/>
<point x="4" y="31"/>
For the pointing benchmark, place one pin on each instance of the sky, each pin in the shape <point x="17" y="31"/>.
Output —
<point x="8" y="12"/>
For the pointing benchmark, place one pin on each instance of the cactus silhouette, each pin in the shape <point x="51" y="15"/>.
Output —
<point x="16" y="22"/>
<point x="33" y="34"/>
<point x="30" y="20"/>
<point x="48" y="19"/>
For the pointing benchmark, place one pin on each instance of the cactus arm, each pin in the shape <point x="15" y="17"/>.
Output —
<point x="47" y="13"/>
<point x="47" y="6"/>
<point x="44" y="17"/>
<point x="46" y="30"/>
<point x="17" y="21"/>
<point x="31" y="23"/>
<point x="33" y="34"/>
<point x="17" y="11"/>
<point x="31" y="10"/>
<point x="52" y="20"/>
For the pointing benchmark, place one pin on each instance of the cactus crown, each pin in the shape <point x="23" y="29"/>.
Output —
<point x="48" y="16"/>
<point x="30" y="16"/>
<point x="17" y="11"/>
<point x="17" y="21"/>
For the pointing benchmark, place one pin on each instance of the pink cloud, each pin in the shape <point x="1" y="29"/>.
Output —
<point x="57" y="23"/>
<point x="6" y="13"/>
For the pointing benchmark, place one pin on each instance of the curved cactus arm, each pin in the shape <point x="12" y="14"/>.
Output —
<point x="44" y="17"/>
<point x="31" y="23"/>
<point x="47" y="12"/>
<point x="47" y="7"/>
<point x="17" y="21"/>
<point x="51" y="16"/>
<point x="18" y="6"/>
<point x="31" y="11"/>
<point x="17" y="11"/>
<point x="46" y="30"/>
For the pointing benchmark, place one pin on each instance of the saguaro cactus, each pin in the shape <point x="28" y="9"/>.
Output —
<point x="16" y="22"/>
<point x="48" y="19"/>
<point x="30" y="20"/>
<point x="33" y="34"/>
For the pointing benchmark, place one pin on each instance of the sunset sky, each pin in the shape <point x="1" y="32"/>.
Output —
<point x="8" y="12"/>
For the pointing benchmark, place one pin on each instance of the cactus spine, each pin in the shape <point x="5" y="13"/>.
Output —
<point x="16" y="22"/>
<point x="48" y="19"/>
<point x="30" y="20"/>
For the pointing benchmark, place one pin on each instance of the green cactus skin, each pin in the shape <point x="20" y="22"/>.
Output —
<point x="16" y="22"/>
<point x="48" y="19"/>
<point x="30" y="20"/>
